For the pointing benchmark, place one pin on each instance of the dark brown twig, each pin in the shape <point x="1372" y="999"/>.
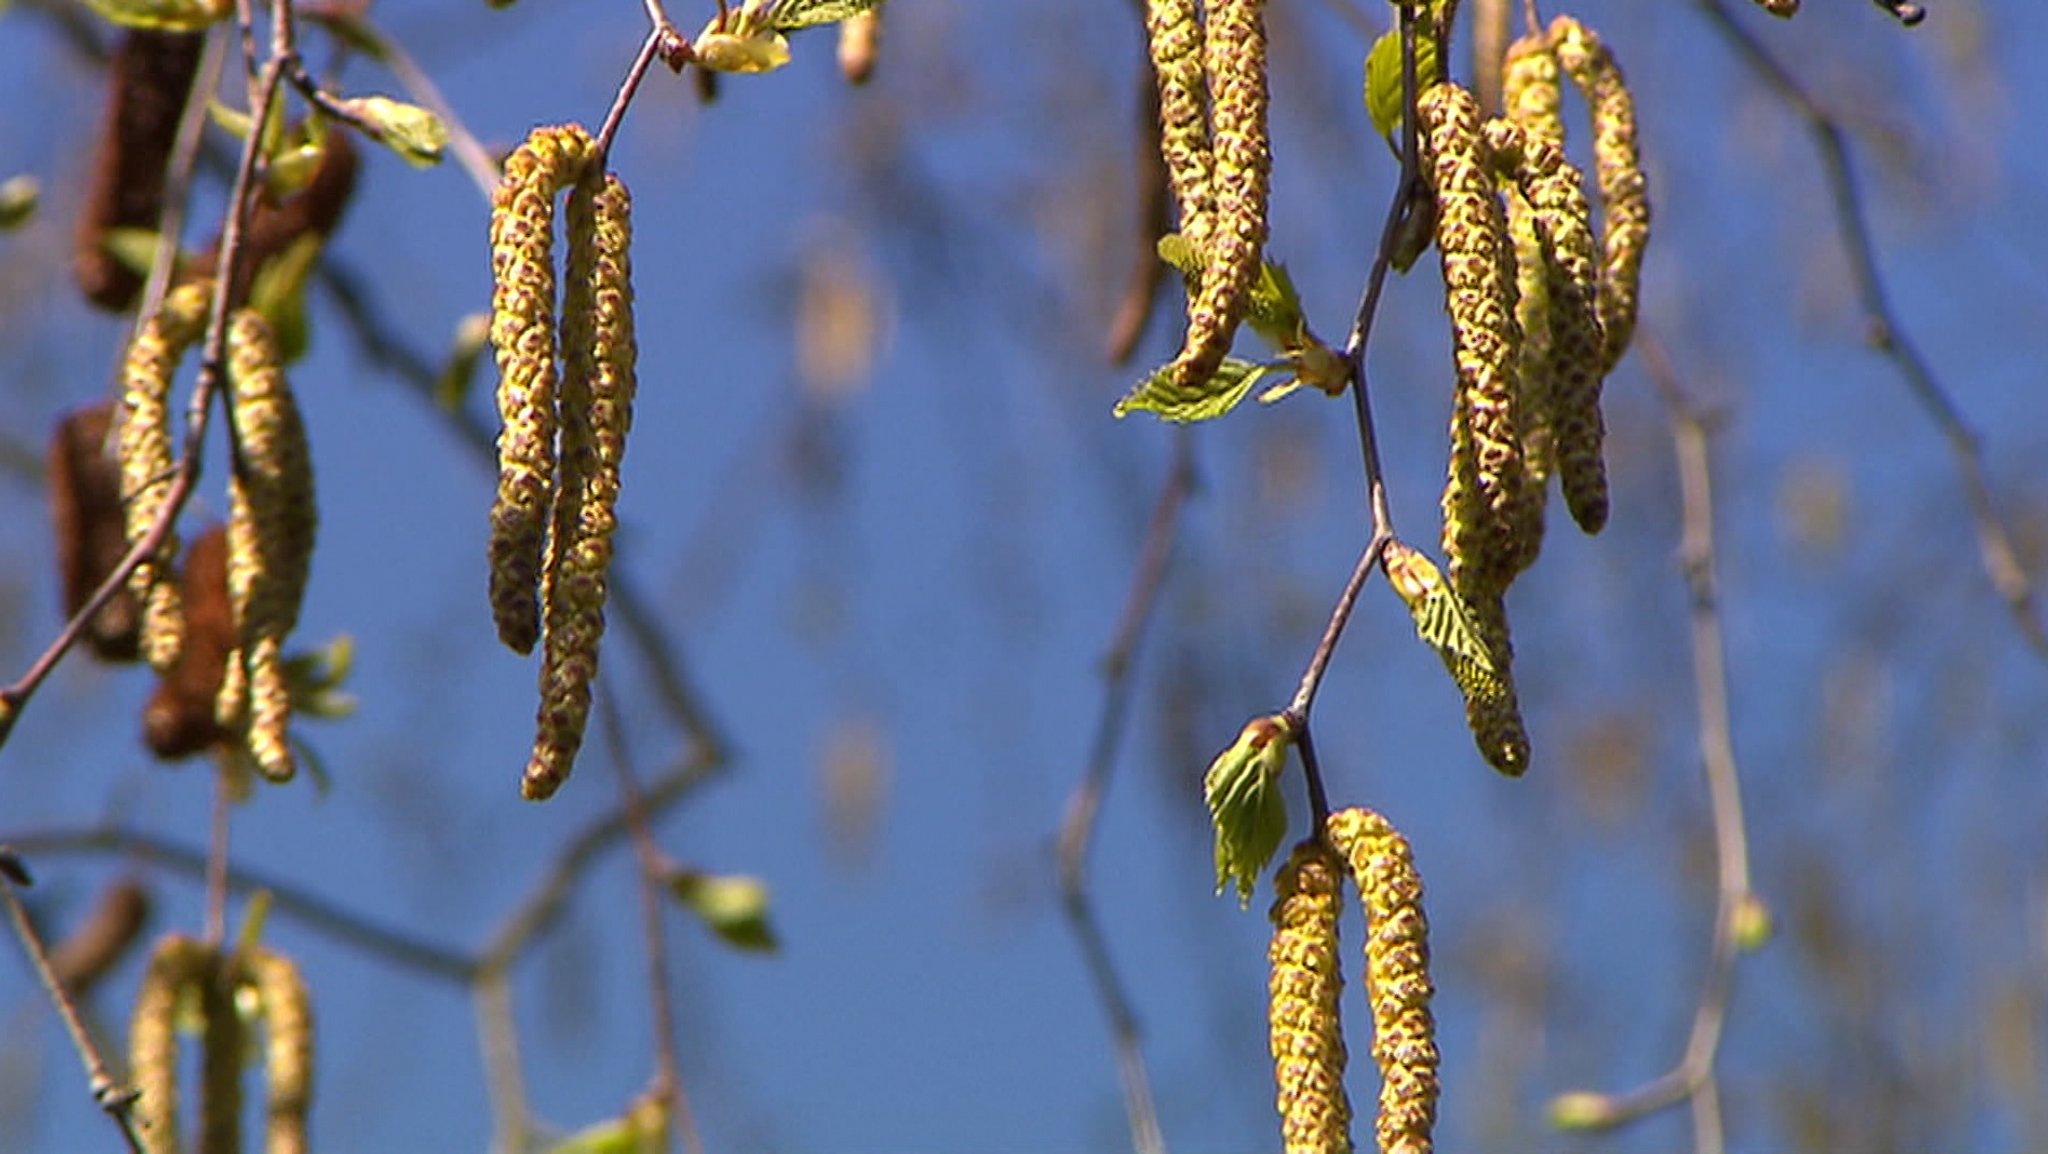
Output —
<point x="118" y="1101"/>
<point x="1077" y="828"/>
<point x="1886" y="333"/>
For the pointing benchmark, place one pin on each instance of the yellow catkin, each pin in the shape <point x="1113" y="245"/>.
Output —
<point x="860" y="36"/>
<point x="287" y="1050"/>
<point x="1232" y="247"/>
<point x="271" y="525"/>
<point x="221" y="1044"/>
<point x="1479" y="292"/>
<point x="1624" y="197"/>
<point x="1530" y="99"/>
<point x="1397" y="976"/>
<point x="1554" y="191"/>
<point x="148" y="462"/>
<point x="1173" y="36"/>
<point x="523" y="333"/>
<point x="173" y="965"/>
<point x="1305" y="1026"/>
<point x="585" y="514"/>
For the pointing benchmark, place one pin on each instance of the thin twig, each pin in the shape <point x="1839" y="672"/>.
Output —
<point x="1885" y="332"/>
<point x="1693" y="1076"/>
<point x="347" y="928"/>
<point x="654" y="902"/>
<point x="504" y="1079"/>
<point x="629" y="86"/>
<point x="117" y="1100"/>
<point x="1155" y="215"/>
<point x="1077" y="827"/>
<point x="217" y="865"/>
<point x="1319" y="661"/>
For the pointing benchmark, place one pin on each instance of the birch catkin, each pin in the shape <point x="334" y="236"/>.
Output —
<point x="1305" y="1027"/>
<point x="287" y="1050"/>
<point x="1397" y="976"/>
<point x="1472" y="238"/>
<point x="1173" y="37"/>
<point x="600" y="381"/>
<point x="1530" y="99"/>
<point x="523" y="333"/>
<point x="1232" y="246"/>
<point x="1573" y="347"/>
<point x="175" y="963"/>
<point x="149" y="80"/>
<point x="1624" y="197"/>
<point x="271" y="524"/>
<point x="148" y="463"/>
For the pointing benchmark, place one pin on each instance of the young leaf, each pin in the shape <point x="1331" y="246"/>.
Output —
<point x="1442" y="619"/>
<point x="733" y="907"/>
<point x="1383" y="79"/>
<point x="163" y="15"/>
<point x="760" y="51"/>
<point x="1275" y="308"/>
<point x="279" y="293"/>
<point x="1246" y="806"/>
<point x="415" y="134"/>
<point x="1233" y="380"/>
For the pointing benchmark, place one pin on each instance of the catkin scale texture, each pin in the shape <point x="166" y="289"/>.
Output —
<point x="603" y="378"/>
<point x="1173" y="37"/>
<point x="1618" y="166"/>
<point x="523" y="334"/>
<point x="271" y="526"/>
<point x="1574" y="345"/>
<point x="148" y="463"/>
<point x="287" y="1050"/>
<point x="1397" y="976"/>
<point x="174" y="963"/>
<point x="1472" y="238"/>
<point x="1305" y="1027"/>
<point x="1232" y="247"/>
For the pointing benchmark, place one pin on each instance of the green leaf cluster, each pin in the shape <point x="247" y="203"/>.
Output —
<point x="731" y="906"/>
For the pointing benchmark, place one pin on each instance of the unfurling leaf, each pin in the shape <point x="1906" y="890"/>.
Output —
<point x="415" y="134"/>
<point x="733" y="907"/>
<point x="1442" y="619"/>
<point x="1230" y="384"/>
<point x="1242" y="790"/>
<point x="1181" y="253"/>
<point x="764" y="50"/>
<point x="1275" y="308"/>
<point x="1383" y="79"/>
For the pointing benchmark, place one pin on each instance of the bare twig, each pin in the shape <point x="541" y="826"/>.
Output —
<point x="629" y="86"/>
<point x="654" y="901"/>
<point x="217" y="866"/>
<point x="111" y="1097"/>
<point x="1735" y="904"/>
<point x="1886" y="333"/>
<point x="1077" y="828"/>
<point x="345" y="927"/>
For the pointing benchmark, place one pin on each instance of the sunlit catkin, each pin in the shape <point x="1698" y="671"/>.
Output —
<point x="1303" y="1013"/>
<point x="1173" y="37"/>
<point x="1472" y="238"/>
<point x="600" y="380"/>
<point x="523" y="333"/>
<point x="287" y="1050"/>
<point x="1234" y="56"/>
<point x="1530" y="99"/>
<point x="148" y="464"/>
<point x="271" y="524"/>
<point x="1397" y="976"/>
<point x="1624" y="197"/>
<point x="174" y="964"/>
<point x="1573" y="367"/>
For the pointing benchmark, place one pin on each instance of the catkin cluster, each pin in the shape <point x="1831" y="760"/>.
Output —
<point x="1211" y="71"/>
<point x="565" y="395"/>
<point x="1397" y="976"/>
<point x="1305" y="1029"/>
<point x="148" y="461"/>
<point x="185" y="971"/>
<point x="271" y="524"/>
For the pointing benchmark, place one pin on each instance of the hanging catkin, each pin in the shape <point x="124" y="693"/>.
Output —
<point x="1397" y="976"/>
<point x="1303" y="1014"/>
<point x="1173" y="37"/>
<point x="148" y="464"/>
<point x="287" y="1049"/>
<point x="1624" y="198"/>
<point x="599" y="383"/>
<point x="523" y="333"/>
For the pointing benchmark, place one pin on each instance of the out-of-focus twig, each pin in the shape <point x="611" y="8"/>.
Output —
<point x="1077" y="827"/>
<point x="111" y="1097"/>
<point x="1739" y="917"/>
<point x="1883" y="329"/>
<point x="1155" y="216"/>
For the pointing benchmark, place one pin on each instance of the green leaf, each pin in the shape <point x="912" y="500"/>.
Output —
<point x="745" y="53"/>
<point x="1442" y="619"/>
<point x="317" y="677"/>
<point x="132" y="248"/>
<point x="1246" y="806"/>
<point x="643" y="1129"/>
<point x="1230" y="384"/>
<point x="163" y="15"/>
<point x="734" y="907"/>
<point x="279" y="293"/>
<point x="1274" y="311"/>
<point x="1383" y="79"/>
<point x="790" y="15"/>
<point x="472" y="336"/>
<point x="19" y="197"/>
<point x="416" y="135"/>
